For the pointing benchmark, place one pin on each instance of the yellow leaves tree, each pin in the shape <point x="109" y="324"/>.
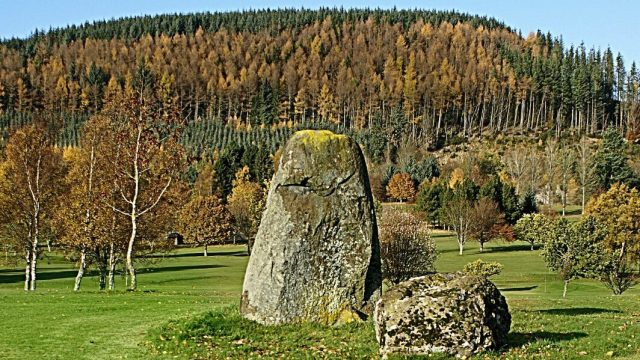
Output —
<point x="206" y="183"/>
<point x="83" y="221"/>
<point x="32" y="179"/>
<point x="457" y="177"/>
<point x="618" y="210"/>
<point x="205" y="221"/>
<point x="246" y="203"/>
<point x="326" y="104"/>
<point x="410" y="83"/>
<point x="300" y="104"/>
<point x="149" y="159"/>
<point x="401" y="187"/>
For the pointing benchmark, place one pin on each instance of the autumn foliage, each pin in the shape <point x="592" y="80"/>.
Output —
<point x="246" y="203"/>
<point x="205" y="221"/>
<point x="401" y="187"/>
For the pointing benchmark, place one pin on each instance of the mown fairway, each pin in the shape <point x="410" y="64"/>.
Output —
<point x="56" y="323"/>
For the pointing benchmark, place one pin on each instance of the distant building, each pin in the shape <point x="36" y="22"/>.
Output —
<point x="176" y="237"/>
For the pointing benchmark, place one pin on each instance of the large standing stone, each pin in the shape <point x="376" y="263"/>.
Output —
<point x="455" y="313"/>
<point x="316" y="257"/>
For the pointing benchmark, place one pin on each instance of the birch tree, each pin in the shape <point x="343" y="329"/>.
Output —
<point x="32" y="178"/>
<point x="82" y="220"/>
<point x="149" y="160"/>
<point x="516" y="165"/>
<point x="457" y="214"/>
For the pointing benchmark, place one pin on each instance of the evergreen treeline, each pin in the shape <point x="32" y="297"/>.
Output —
<point x="237" y="21"/>
<point x="422" y="76"/>
<point x="199" y="138"/>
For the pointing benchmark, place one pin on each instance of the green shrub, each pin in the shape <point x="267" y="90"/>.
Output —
<point x="482" y="268"/>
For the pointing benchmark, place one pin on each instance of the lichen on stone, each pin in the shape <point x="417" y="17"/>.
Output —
<point x="317" y="137"/>
<point x="454" y="313"/>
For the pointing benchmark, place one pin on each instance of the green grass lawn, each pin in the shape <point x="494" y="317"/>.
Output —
<point x="185" y="298"/>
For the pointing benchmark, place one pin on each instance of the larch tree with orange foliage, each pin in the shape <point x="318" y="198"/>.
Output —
<point x="401" y="187"/>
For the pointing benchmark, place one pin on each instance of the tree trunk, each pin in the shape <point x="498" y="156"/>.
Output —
<point x="564" y="291"/>
<point x="206" y="253"/>
<point x="481" y="246"/>
<point x="112" y="267"/>
<point x="134" y="213"/>
<point x="101" y="257"/>
<point x="439" y="124"/>
<point x="532" y="247"/>
<point x="130" y="268"/>
<point x="83" y="265"/>
<point x="34" y="261"/>
<point x="460" y="246"/>
<point x="27" y="271"/>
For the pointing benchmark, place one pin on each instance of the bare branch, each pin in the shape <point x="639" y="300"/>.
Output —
<point x="157" y="199"/>
<point x="116" y="209"/>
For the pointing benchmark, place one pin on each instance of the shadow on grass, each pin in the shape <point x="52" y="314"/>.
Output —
<point x="199" y="254"/>
<point x="518" y="339"/>
<point x="522" y="288"/>
<point x="11" y="270"/>
<point x="44" y="275"/>
<point x="441" y="235"/>
<point x="571" y="212"/>
<point x="178" y="268"/>
<point x="491" y="249"/>
<point x="578" y="311"/>
<point x="507" y="248"/>
<point x="183" y="279"/>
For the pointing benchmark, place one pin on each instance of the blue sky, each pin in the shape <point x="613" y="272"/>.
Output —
<point x="597" y="23"/>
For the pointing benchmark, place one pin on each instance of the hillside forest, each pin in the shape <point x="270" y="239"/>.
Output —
<point x="117" y="133"/>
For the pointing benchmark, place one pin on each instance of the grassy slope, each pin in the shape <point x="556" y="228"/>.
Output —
<point x="55" y="323"/>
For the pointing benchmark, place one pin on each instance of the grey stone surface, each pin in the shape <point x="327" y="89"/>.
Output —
<point x="316" y="256"/>
<point x="454" y="313"/>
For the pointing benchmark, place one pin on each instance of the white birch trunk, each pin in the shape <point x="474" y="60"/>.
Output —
<point x="81" y="268"/>
<point x="34" y="261"/>
<point x="112" y="267"/>
<point x="27" y="271"/>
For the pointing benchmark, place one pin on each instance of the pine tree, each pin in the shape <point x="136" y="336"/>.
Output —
<point x="610" y="164"/>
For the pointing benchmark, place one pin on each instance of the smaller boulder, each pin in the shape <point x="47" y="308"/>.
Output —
<point x="455" y="313"/>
